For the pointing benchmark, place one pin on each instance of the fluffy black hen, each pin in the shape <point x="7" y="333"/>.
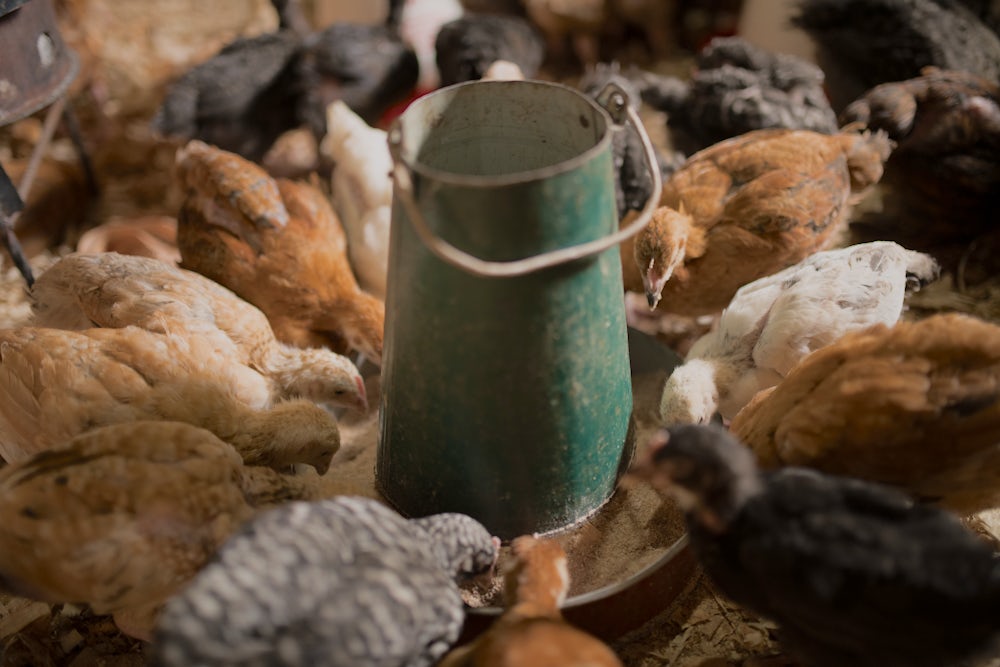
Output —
<point x="467" y="46"/>
<point x="853" y="573"/>
<point x="877" y="41"/>
<point x="736" y="88"/>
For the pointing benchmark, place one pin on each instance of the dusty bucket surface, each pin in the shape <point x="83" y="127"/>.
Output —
<point x="506" y="391"/>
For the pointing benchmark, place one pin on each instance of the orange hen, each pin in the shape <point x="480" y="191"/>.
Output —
<point x="916" y="406"/>
<point x="748" y="207"/>
<point x="279" y="245"/>
<point x="532" y="632"/>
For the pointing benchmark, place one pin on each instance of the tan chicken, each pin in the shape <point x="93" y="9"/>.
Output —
<point x="531" y="632"/>
<point x="748" y="207"/>
<point x="57" y="384"/>
<point x="112" y="290"/>
<point x="916" y="406"/>
<point x="277" y="244"/>
<point x="122" y="516"/>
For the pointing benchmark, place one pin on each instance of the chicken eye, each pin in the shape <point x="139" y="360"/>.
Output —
<point x="339" y="392"/>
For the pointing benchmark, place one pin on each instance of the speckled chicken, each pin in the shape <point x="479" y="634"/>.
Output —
<point x="944" y="174"/>
<point x="57" y="384"/>
<point x="853" y="573"/>
<point x="277" y="244"/>
<point x="531" y="632"/>
<point x="341" y="582"/>
<point x="775" y="321"/>
<point x="112" y="290"/>
<point x="916" y="406"/>
<point x="121" y="516"/>
<point x="878" y="41"/>
<point x="746" y="208"/>
<point x="362" y="192"/>
<point x="466" y="47"/>
<point x="735" y="88"/>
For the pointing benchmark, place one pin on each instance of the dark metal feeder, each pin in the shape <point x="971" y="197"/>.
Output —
<point x="506" y="386"/>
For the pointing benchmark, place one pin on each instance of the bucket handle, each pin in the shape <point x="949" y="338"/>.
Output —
<point x="615" y="101"/>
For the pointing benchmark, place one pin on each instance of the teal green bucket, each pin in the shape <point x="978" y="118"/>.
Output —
<point x="506" y="392"/>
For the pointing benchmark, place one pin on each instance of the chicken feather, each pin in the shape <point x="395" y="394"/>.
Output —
<point x="298" y="274"/>
<point x="916" y="405"/>
<point x="112" y="290"/>
<point x="57" y="384"/>
<point x="775" y="321"/>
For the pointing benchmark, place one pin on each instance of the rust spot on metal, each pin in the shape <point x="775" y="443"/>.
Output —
<point x="583" y="121"/>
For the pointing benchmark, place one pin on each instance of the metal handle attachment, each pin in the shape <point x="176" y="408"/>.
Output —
<point x="615" y="102"/>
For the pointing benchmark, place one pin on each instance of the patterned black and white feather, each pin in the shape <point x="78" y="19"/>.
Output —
<point x="341" y="582"/>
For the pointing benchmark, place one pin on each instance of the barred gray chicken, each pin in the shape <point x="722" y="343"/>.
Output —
<point x="341" y="582"/>
<point x="467" y="46"/>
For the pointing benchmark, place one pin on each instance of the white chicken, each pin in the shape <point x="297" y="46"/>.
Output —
<point x="362" y="192"/>
<point x="419" y="23"/>
<point x="773" y="322"/>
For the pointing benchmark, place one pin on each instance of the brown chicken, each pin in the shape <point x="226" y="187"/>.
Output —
<point x="531" y="632"/>
<point x="916" y="406"/>
<point x="112" y="290"/>
<point x="277" y="244"/>
<point x="746" y="208"/>
<point x="577" y="21"/>
<point x="57" y="384"/>
<point x="944" y="175"/>
<point x="122" y="516"/>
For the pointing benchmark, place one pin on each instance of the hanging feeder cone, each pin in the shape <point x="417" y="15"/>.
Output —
<point x="506" y="385"/>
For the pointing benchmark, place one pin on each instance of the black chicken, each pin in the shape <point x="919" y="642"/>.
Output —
<point x="467" y="46"/>
<point x="877" y="41"/>
<point x="736" y="88"/>
<point x="852" y="572"/>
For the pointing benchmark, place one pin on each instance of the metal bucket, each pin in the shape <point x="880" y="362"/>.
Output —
<point x="506" y="392"/>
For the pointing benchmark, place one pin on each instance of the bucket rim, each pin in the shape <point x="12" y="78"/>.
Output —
<point x="395" y="137"/>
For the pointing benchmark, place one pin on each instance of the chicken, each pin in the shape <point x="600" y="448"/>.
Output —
<point x="144" y="236"/>
<point x="532" y="632"/>
<point x="633" y="182"/>
<point x="112" y="290"/>
<point x="418" y="23"/>
<point x="277" y="244"/>
<point x="241" y="99"/>
<point x="368" y="67"/>
<point x="878" y="41"/>
<point x="579" y="21"/>
<point x="340" y="582"/>
<point x="775" y="321"/>
<point x="746" y="208"/>
<point x="944" y="174"/>
<point x="362" y="192"/>
<point x="916" y="406"/>
<point x="121" y="516"/>
<point x="736" y="88"/>
<point x="57" y="384"/>
<point x="853" y="573"/>
<point x="466" y="47"/>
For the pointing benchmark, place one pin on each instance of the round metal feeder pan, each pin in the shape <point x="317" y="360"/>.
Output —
<point x="611" y="611"/>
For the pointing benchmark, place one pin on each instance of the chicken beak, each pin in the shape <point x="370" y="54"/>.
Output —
<point x="646" y="469"/>
<point x="362" y="403"/>
<point x="653" y="283"/>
